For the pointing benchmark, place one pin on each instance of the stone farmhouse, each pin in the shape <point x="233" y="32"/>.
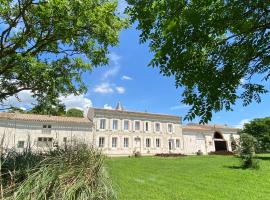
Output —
<point x="116" y="132"/>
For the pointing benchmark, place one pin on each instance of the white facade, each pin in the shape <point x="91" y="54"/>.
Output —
<point x="40" y="132"/>
<point x="115" y="132"/>
<point x="119" y="132"/>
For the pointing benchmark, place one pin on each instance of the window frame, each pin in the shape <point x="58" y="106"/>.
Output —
<point x="103" y="142"/>
<point x="100" y="127"/>
<point x="128" y="123"/>
<point x="148" y="142"/>
<point x="158" y="146"/>
<point x="115" y="128"/>
<point x="46" y="142"/>
<point x="177" y="143"/>
<point x="168" y="130"/>
<point x="126" y="142"/>
<point x="19" y="144"/>
<point x="46" y="128"/>
<point x="114" y="139"/>
<point x="148" y="125"/>
<point x="156" y="127"/>
<point x="137" y="121"/>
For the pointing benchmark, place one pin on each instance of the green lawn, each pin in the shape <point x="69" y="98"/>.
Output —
<point x="189" y="178"/>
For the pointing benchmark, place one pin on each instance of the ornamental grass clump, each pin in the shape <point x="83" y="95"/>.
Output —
<point x="76" y="173"/>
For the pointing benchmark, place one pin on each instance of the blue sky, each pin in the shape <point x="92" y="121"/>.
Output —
<point x="147" y="90"/>
<point x="128" y="79"/>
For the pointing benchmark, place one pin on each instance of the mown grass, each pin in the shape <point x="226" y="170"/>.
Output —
<point x="189" y="178"/>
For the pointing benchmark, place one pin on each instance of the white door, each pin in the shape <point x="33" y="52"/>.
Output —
<point x="137" y="146"/>
<point x="189" y="144"/>
<point x="200" y="145"/>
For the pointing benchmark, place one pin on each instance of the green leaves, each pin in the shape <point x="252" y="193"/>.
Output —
<point x="46" y="45"/>
<point x="209" y="47"/>
<point x="260" y="129"/>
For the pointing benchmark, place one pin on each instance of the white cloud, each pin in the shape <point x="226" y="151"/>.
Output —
<point x="241" y="123"/>
<point x="24" y="100"/>
<point x="107" y="106"/>
<point x="79" y="102"/>
<point x="126" y="78"/>
<point x="111" y="72"/>
<point x="103" y="88"/>
<point x="179" y="107"/>
<point x="120" y="89"/>
<point x="115" y="66"/>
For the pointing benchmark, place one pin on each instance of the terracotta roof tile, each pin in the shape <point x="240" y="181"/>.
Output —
<point x="42" y="118"/>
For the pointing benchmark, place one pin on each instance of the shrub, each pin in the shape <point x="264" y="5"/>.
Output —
<point x="76" y="173"/>
<point x="247" y="151"/>
<point x="137" y="154"/>
<point x="170" y="155"/>
<point x="199" y="153"/>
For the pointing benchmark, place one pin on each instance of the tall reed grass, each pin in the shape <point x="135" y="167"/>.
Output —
<point x="76" y="173"/>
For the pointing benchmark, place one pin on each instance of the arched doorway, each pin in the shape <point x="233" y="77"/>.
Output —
<point x="220" y="143"/>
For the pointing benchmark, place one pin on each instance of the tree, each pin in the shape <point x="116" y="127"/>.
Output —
<point x="73" y="112"/>
<point x="260" y="129"/>
<point x="14" y="109"/>
<point x="49" y="107"/>
<point x="45" y="46"/>
<point x="247" y="151"/>
<point x="212" y="48"/>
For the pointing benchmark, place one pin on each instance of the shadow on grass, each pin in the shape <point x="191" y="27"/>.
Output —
<point x="263" y="158"/>
<point x="234" y="167"/>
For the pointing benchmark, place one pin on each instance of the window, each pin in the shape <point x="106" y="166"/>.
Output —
<point x="115" y="124"/>
<point x="157" y="127"/>
<point x="170" y="145"/>
<point x="158" y="142"/>
<point x="177" y="143"/>
<point x="46" y="128"/>
<point x="146" y="126"/>
<point x="126" y="124"/>
<point x="137" y="125"/>
<point x="64" y="139"/>
<point x="126" y="142"/>
<point x="170" y="128"/>
<point x="148" y="142"/>
<point x="20" y="144"/>
<point x="114" y="142"/>
<point x="44" y="142"/>
<point x="102" y="124"/>
<point x="101" y="142"/>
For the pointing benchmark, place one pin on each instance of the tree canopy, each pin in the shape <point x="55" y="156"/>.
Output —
<point x="260" y="129"/>
<point x="211" y="47"/>
<point x="74" y="112"/>
<point x="45" y="46"/>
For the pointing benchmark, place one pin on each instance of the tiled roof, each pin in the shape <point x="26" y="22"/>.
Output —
<point x="199" y="128"/>
<point x="42" y="118"/>
<point x="208" y="127"/>
<point x="135" y="113"/>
